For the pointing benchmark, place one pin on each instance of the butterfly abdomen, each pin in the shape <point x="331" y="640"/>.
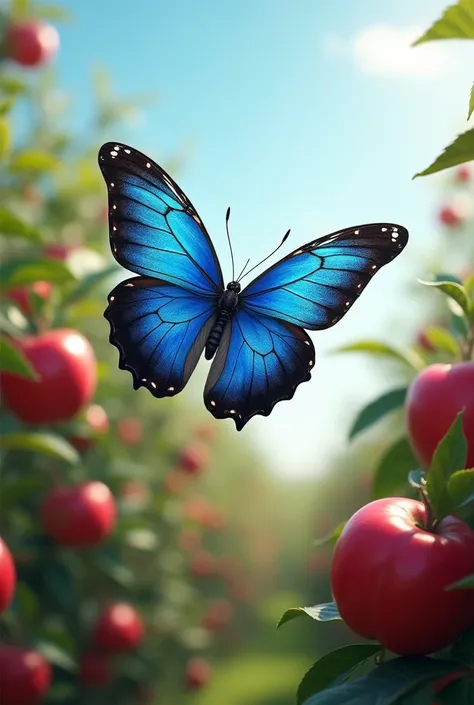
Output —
<point x="227" y="306"/>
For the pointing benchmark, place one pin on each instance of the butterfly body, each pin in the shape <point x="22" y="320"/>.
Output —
<point x="178" y="307"/>
<point x="227" y="305"/>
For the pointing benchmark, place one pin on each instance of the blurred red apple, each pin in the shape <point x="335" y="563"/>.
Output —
<point x="25" y="676"/>
<point x="119" y="628"/>
<point x="202" y="564"/>
<point x="67" y="377"/>
<point x="97" y="423"/>
<point x="31" y="43"/>
<point x="95" y="669"/>
<point x="130" y="431"/>
<point x="21" y="294"/>
<point x="7" y="576"/>
<point x="193" y="458"/>
<point x="81" y="515"/>
<point x="217" y="615"/>
<point x="198" y="673"/>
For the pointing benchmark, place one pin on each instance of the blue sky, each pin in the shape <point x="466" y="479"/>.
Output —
<point x="305" y="114"/>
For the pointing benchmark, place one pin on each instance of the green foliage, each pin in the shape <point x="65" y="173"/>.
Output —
<point x="338" y="665"/>
<point x="377" y="409"/>
<point x="394" y="682"/>
<point x="471" y="103"/>
<point x="449" y="456"/>
<point x="458" y="152"/>
<point x="321" y="613"/>
<point x="382" y="350"/>
<point x="393" y="469"/>
<point x="12" y="360"/>
<point x="456" y="22"/>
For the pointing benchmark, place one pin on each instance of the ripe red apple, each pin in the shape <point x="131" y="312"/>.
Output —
<point x="198" y="673"/>
<point x="25" y="676"/>
<point x="193" y="458"/>
<point x="450" y="217"/>
<point x="95" y="669"/>
<point x="7" y="576"/>
<point x="97" y="424"/>
<point x="135" y="491"/>
<point x="434" y="398"/>
<point x="202" y="564"/>
<point x="217" y="615"/>
<point x="130" y="431"/>
<point x="21" y="294"/>
<point x="119" y="628"/>
<point x="464" y="173"/>
<point x="31" y="43"/>
<point x="67" y="370"/>
<point x="82" y="515"/>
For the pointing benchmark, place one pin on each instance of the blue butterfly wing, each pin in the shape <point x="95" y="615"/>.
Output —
<point x="259" y="362"/>
<point x="314" y="286"/>
<point x="154" y="229"/>
<point x="160" y="331"/>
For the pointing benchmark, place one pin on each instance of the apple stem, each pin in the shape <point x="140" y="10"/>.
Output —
<point x="430" y="520"/>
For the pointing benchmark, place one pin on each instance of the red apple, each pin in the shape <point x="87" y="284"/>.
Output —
<point x="217" y="615"/>
<point x="59" y="251"/>
<point x="82" y="515"/>
<point x="31" y="43"/>
<point x="434" y="398"/>
<point x="7" y="576"/>
<point x="97" y="423"/>
<point x="193" y="458"/>
<point x="119" y="628"/>
<point x="464" y="173"/>
<point x="449" y="216"/>
<point x="175" y="482"/>
<point x="67" y="370"/>
<point x="130" y="431"/>
<point x="25" y="676"/>
<point x="198" y="673"/>
<point x="21" y="294"/>
<point x="202" y="564"/>
<point x="95" y="669"/>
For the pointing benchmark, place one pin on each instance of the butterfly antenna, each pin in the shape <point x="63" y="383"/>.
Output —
<point x="227" y="216"/>
<point x="285" y="237"/>
<point x="243" y="270"/>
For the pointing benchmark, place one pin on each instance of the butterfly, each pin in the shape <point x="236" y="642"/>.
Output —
<point x="162" y="320"/>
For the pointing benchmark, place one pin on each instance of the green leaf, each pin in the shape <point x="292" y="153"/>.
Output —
<point x="326" y="612"/>
<point x="456" y="292"/>
<point x="374" y="347"/>
<point x="26" y="271"/>
<point x="56" y="656"/>
<point x="393" y="469"/>
<point x="329" y="667"/>
<point x="461" y="487"/>
<point x="5" y="138"/>
<point x="12" y="86"/>
<point x="87" y="283"/>
<point x="12" y="360"/>
<point x="449" y="456"/>
<point x="466" y="583"/>
<point x="61" y="584"/>
<point x="33" y="161"/>
<point x="471" y="103"/>
<point x="463" y="649"/>
<point x="46" y="443"/>
<point x="456" y="22"/>
<point x="386" y="684"/>
<point x="444" y="341"/>
<point x="469" y="287"/>
<point x="12" y="226"/>
<point x="53" y="13"/>
<point x="25" y="603"/>
<point x="377" y="409"/>
<point x="332" y="537"/>
<point x="458" y="152"/>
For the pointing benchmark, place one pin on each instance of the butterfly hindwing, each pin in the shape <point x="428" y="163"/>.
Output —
<point x="260" y="361"/>
<point x="160" y="331"/>
<point x="154" y="229"/>
<point x="314" y="286"/>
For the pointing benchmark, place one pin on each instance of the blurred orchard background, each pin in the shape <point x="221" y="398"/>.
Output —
<point x="154" y="548"/>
